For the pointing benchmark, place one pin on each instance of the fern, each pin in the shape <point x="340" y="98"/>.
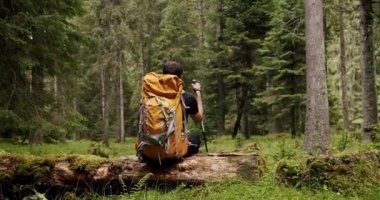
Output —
<point x="140" y="185"/>
<point x="121" y="181"/>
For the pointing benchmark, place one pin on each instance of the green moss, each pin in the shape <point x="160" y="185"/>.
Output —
<point x="87" y="163"/>
<point x="35" y="168"/>
<point x="6" y="176"/>
<point x="348" y="174"/>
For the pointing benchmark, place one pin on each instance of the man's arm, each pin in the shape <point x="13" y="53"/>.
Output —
<point x="198" y="117"/>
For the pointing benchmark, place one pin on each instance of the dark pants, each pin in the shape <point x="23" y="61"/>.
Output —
<point x="194" y="144"/>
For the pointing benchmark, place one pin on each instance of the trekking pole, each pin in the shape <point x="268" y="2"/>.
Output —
<point x="204" y="136"/>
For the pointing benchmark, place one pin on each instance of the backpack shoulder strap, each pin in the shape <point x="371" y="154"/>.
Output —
<point x="184" y="107"/>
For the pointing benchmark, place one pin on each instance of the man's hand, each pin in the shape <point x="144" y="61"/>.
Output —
<point x="196" y="85"/>
<point x="198" y="96"/>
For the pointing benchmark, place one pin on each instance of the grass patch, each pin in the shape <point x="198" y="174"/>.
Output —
<point x="275" y="147"/>
<point x="82" y="147"/>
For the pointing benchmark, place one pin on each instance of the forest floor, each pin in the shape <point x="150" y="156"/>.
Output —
<point x="275" y="147"/>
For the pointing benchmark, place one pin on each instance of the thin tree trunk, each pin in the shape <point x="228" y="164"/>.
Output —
<point x="219" y="76"/>
<point x="55" y="88"/>
<point x="201" y="23"/>
<point x="343" y="70"/>
<point x="103" y="91"/>
<point x="245" y="124"/>
<point x="369" y="99"/>
<point x="317" y="110"/>
<point x="105" y="104"/>
<point x="293" y="117"/>
<point x="293" y="129"/>
<point x="221" y="104"/>
<point x="240" y="101"/>
<point x="37" y="95"/>
<point x="277" y="122"/>
<point x="75" y="107"/>
<point x="121" y="101"/>
<point x="219" y="29"/>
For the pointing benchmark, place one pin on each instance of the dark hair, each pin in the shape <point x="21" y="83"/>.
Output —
<point x="172" y="67"/>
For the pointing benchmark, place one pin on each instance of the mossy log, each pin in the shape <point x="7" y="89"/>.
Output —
<point x="343" y="173"/>
<point x="83" y="170"/>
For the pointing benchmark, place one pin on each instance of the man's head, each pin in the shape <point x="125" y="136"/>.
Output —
<point x="172" y="67"/>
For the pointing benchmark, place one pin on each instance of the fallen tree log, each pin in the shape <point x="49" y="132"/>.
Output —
<point x="93" y="172"/>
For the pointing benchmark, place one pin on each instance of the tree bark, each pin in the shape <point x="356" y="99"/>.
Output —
<point x="75" y="107"/>
<point x="240" y="102"/>
<point x="201" y="22"/>
<point x="219" y="76"/>
<point x="221" y="104"/>
<point x="121" y="100"/>
<point x="293" y="128"/>
<point x="245" y="124"/>
<point x="293" y="108"/>
<point x="55" y="88"/>
<point x="317" y="110"/>
<point x="219" y="30"/>
<point x="37" y="94"/>
<point x="91" y="172"/>
<point x="369" y="99"/>
<point x="105" y="104"/>
<point x="343" y="70"/>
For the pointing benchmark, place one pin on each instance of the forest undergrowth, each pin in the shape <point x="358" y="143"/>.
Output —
<point x="275" y="148"/>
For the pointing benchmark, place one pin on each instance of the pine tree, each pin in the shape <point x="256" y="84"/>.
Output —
<point x="245" y="25"/>
<point x="31" y="31"/>
<point x="283" y="65"/>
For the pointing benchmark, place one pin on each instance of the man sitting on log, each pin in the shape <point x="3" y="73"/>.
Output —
<point x="164" y="111"/>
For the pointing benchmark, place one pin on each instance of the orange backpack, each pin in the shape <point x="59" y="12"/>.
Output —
<point x="162" y="128"/>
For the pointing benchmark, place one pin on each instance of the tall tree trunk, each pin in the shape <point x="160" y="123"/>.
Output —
<point x="241" y="98"/>
<point x="103" y="91"/>
<point x="343" y="70"/>
<point x="201" y="23"/>
<point x="293" y="128"/>
<point x="293" y="117"/>
<point x="121" y="100"/>
<point x="142" y="60"/>
<point x="75" y="107"/>
<point x="317" y="109"/>
<point x="56" y="89"/>
<point x="219" y="76"/>
<point x="369" y="99"/>
<point x="245" y="122"/>
<point x="105" y="104"/>
<point x="221" y="104"/>
<point x="37" y="94"/>
<point x="277" y="122"/>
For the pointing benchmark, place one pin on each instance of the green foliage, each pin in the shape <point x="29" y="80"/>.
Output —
<point x="376" y="141"/>
<point x="115" y="150"/>
<point x="349" y="174"/>
<point x="272" y="146"/>
<point x="99" y="149"/>
<point x="36" y="196"/>
<point x="87" y="163"/>
<point x="177" y="37"/>
<point x="31" y="32"/>
<point x="138" y="189"/>
<point x="283" y="67"/>
<point x="285" y="151"/>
